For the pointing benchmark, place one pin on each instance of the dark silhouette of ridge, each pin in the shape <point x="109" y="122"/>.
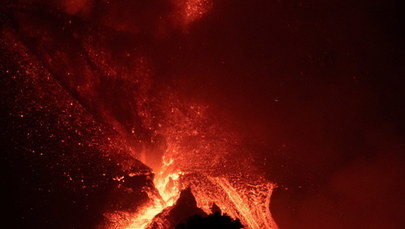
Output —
<point x="212" y="221"/>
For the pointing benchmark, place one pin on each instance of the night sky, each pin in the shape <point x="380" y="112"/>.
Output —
<point x="315" y="90"/>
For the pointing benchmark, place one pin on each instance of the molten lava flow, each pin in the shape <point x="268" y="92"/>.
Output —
<point x="166" y="184"/>
<point x="254" y="212"/>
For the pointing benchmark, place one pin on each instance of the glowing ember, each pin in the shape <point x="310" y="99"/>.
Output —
<point x="195" y="9"/>
<point x="189" y="11"/>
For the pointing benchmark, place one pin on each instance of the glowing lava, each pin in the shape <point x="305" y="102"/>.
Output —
<point x="201" y="155"/>
<point x="167" y="186"/>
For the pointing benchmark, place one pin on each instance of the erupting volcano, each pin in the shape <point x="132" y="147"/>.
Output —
<point x="157" y="114"/>
<point x="201" y="155"/>
<point x="159" y="143"/>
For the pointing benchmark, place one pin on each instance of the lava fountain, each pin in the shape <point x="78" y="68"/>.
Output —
<point x="168" y="192"/>
<point x="124" y="117"/>
<point x="210" y="160"/>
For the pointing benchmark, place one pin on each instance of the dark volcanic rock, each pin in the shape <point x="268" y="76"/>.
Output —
<point x="185" y="207"/>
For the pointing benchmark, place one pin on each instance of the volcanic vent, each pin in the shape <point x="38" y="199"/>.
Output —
<point x="203" y="157"/>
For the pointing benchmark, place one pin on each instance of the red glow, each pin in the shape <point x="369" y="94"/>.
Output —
<point x="200" y="154"/>
<point x="141" y="113"/>
<point x="189" y="11"/>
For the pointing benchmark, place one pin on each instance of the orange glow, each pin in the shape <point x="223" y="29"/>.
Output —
<point x="166" y="183"/>
<point x="200" y="154"/>
<point x="168" y="192"/>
